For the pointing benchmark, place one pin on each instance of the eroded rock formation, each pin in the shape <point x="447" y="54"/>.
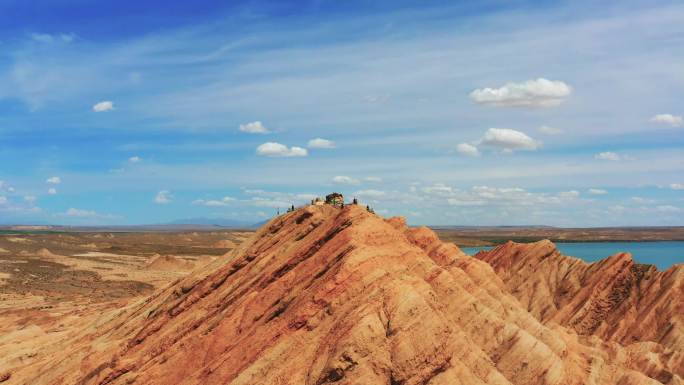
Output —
<point x="615" y="298"/>
<point x="325" y="295"/>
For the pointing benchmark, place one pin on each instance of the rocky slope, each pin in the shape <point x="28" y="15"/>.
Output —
<point x="324" y="295"/>
<point x="615" y="299"/>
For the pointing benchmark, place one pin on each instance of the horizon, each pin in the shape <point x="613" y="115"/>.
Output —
<point x="489" y="114"/>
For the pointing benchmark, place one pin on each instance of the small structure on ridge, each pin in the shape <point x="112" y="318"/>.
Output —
<point x="335" y="199"/>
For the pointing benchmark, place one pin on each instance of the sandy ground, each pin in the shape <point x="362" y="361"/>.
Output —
<point x="54" y="286"/>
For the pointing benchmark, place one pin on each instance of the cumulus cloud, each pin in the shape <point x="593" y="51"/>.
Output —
<point x="677" y="186"/>
<point x="373" y="179"/>
<point x="608" y="155"/>
<point x="3" y="200"/>
<point x="342" y="179"/>
<point x="254" y="128"/>
<point x="321" y="143"/>
<point x="163" y="197"/>
<point x="668" y="119"/>
<point x="597" y="191"/>
<point x="52" y="191"/>
<point x="53" y="180"/>
<point x="550" y="130"/>
<point x="532" y="93"/>
<point x="225" y="201"/>
<point x="274" y="149"/>
<point x="30" y="199"/>
<point x="467" y="149"/>
<point x="103" y="106"/>
<point x="134" y="159"/>
<point x="508" y="140"/>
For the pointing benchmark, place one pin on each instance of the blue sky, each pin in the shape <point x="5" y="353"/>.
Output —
<point x="472" y="113"/>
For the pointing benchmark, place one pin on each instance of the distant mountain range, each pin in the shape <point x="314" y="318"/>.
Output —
<point x="220" y="222"/>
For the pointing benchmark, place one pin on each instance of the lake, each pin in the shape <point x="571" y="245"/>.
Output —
<point x="662" y="254"/>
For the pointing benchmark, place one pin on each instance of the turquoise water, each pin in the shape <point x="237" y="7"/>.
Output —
<point x="662" y="254"/>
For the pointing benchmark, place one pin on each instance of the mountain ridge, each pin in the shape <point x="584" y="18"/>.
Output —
<point x="328" y="295"/>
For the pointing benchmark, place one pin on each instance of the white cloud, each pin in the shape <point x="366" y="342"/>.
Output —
<point x="550" y="130"/>
<point x="532" y="93"/>
<point x="439" y="190"/>
<point x="67" y="37"/>
<point x="274" y="149"/>
<point x="669" y="119"/>
<point x="373" y="179"/>
<point x="48" y="38"/>
<point x="509" y="140"/>
<point x="466" y="202"/>
<point x="52" y="191"/>
<point x="569" y="194"/>
<point x="72" y="212"/>
<point x="268" y="202"/>
<point x="53" y="180"/>
<point x="342" y="179"/>
<point x="30" y="199"/>
<point x="467" y="149"/>
<point x="3" y="200"/>
<point x="608" y="155"/>
<point x="642" y="201"/>
<point x="668" y="209"/>
<point x="597" y="191"/>
<point x="42" y="37"/>
<point x="275" y="199"/>
<point x="321" y="143"/>
<point x="134" y="159"/>
<point x="80" y="213"/>
<point x="6" y="186"/>
<point x="163" y="197"/>
<point x="254" y="128"/>
<point x="376" y="98"/>
<point x="677" y="186"/>
<point x="225" y="201"/>
<point x="370" y="193"/>
<point x="508" y="197"/>
<point x="103" y="106"/>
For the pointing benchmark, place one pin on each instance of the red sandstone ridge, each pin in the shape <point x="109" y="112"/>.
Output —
<point x="327" y="295"/>
<point x="615" y="299"/>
